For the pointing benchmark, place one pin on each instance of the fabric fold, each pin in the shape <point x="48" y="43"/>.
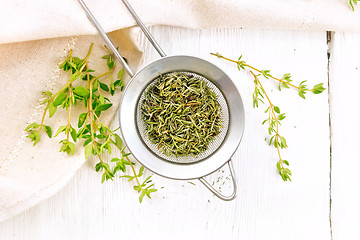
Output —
<point x="24" y="20"/>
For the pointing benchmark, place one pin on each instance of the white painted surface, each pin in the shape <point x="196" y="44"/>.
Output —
<point x="345" y="128"/>
<point x="266" y="207"/>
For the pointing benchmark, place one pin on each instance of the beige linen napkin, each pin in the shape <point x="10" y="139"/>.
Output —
<point x="22" y="20"/>
<point x="29" y="174"/>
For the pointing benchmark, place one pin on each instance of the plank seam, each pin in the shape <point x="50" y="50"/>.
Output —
<point x="329" y="37"/>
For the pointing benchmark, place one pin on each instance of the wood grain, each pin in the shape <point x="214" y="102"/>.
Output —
<point x="345" y="131"/>
<point x="266" y="207"/>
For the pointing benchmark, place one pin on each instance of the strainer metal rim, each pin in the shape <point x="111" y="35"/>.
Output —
<point x="139" y="149"/>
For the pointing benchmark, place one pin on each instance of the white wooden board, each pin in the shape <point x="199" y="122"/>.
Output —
<point x="345" y="132"/>
<point x="266" y="207"/>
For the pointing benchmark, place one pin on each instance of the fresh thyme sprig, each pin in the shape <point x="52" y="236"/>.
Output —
<point x="98" y="138"/>
<point x="353" y="3"/>
<point x="285" y="81"/>
<point x="274" y="116"/>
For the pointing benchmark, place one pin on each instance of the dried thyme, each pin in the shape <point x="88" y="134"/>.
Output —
<point x="181" y="113"/>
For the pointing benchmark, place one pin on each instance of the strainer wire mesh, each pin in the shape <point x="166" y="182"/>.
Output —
<point x="213" y="145"/>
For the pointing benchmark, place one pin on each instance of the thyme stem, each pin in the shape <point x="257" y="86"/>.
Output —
<point x="69" y="113"/>
<point x="272" y="115"/>
<point x="260" y="71"/>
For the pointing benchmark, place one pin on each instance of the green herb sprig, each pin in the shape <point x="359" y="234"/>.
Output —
<point x="274" y="115"/>
<point x="273" y="120"/>
<point x="353" y="3"/>
<point x="284" y="82"/>
<point x="96" y="136"/>
<point x="181" y="114"/>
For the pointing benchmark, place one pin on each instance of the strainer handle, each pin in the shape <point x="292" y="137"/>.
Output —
<point x="106" y="38"/>
<point x="144" y="29"/>
<point x="217" y="193"/>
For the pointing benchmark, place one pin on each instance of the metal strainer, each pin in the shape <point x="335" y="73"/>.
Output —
<point x="219" y="151"/>
<point x="213" y="145"/>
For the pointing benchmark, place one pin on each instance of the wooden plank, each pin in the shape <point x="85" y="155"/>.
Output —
<point x="266" y="207"/>
<point x="344" y="86"/>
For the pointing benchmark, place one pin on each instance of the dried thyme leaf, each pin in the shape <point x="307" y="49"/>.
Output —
<point x="181" y="114"/>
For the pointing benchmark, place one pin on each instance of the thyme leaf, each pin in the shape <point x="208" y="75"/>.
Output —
<point x="353" y="3"/>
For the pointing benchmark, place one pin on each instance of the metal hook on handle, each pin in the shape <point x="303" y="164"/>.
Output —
<point x="144" y="29"/>
<point x="218" y="194"/>
<point x="106" y="38"/>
